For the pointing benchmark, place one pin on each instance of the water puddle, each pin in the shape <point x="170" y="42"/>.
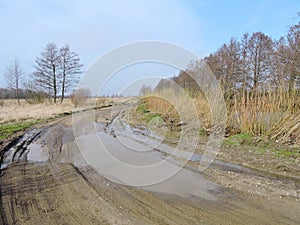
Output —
<point x="36" y="153"/>
<point x="133" y="162"/>
<point x="154" y="142"/>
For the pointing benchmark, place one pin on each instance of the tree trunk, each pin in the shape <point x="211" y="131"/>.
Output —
<point x="291" y="81"/>
<point x="63" y="88"/>
<point x="54" y="84"/>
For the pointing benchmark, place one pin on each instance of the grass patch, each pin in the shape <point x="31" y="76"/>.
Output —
<point x="203" y="132"/>
<point x="284" y="153"/>
<point x="8" y="129"/>
<point x="262" y="145"/>
<point x="239" y="139"/>
<point x="147" y="116"/>
<point x="142" y="109"/>
<point x="150" y="116"/>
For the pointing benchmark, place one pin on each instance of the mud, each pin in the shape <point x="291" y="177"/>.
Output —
<point x="45" y="180"/>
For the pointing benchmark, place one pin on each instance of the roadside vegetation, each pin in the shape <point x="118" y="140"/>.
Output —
<point x="260" y="80"/>
<point x="8" y="129"/>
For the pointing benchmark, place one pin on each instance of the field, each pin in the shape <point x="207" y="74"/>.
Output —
<point x="16" y="117"/>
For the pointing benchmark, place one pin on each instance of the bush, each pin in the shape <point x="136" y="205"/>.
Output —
<point x="79" y="97"/>
<point x="33" y="97"/>
<point x="33" y="94"/>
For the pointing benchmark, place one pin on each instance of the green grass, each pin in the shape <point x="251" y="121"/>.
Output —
<point x="239" y="139"/>
<point x="147" y="116"/>
<point x="141" y="108"/>
<point x="7" y="129"/>
<point x="283" y="153"/>
<point x="150" y="116"/>
<point x="203" y="132"/>
<point x="262" y="145"/>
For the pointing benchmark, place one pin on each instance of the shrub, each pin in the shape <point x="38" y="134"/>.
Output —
<point x="79" y="97"/>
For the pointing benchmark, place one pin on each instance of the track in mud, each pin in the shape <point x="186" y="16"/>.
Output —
<point x="65" y="190"/>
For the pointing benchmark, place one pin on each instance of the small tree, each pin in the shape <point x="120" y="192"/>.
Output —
<point x="13" y="75"/>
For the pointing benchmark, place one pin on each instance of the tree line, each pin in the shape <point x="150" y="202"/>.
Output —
<point x="250" y="63"/>
<point x="56" y="73"/>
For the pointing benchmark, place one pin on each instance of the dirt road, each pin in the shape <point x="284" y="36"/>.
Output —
<point x="45" y="180"/>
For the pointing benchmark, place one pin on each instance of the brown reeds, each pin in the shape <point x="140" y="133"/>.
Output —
<point x="269" y="112"/>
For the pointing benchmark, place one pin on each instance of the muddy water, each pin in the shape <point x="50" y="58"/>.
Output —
<point x="146" y="169"/>
<point x="152" y="141"/>
<point x="36" y="153"/>
<point x="18" y="152"/>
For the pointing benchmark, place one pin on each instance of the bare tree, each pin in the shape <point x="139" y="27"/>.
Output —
<point x="226" y="66"/>
<point x="47" y="70"/>
<point x="286" y="63"/>
<point x="57" y="70"/>
<point x="70" y="69"/>
<point x="245" y="68"/>
<point x="259" y="55"/>
<point x="293" y="55"/>
<point x="280" y="63"/>
<point x="13" y="75"/>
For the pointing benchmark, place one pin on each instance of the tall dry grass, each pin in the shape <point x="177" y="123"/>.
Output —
<point x="274" y="113"/>
<point x="174" y="106"/>
<point x="268" y="112"/>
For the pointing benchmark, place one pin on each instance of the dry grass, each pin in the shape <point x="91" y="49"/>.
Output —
<point x="12" y="112"/>
<point x="271" y="113"/>
<point x="205" y="109"/>
<point x="172" y="105"/>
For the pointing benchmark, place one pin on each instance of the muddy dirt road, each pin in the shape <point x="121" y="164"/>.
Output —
<point x="46" y="180"/>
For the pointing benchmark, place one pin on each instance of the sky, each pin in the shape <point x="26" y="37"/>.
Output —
<point x="94" y="27"/>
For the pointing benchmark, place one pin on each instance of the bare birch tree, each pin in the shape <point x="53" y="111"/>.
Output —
<point x="13" y="75"/>
<point x="70" y="69"/>
<point x="47" y="69"/>
<point x="57" y="70"/>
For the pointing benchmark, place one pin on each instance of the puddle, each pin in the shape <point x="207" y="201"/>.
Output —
<point x="36" y="153"/>
<point x="153" y="141"/>
<point x="144" y="169"/>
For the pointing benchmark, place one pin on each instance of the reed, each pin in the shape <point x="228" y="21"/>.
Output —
<point x="270" y="112"/>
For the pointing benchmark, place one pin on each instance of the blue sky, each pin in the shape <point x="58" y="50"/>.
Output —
<point x="93" y="27"/>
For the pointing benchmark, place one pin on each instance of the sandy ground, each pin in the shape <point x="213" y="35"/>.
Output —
<point x="58" y="187"/>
